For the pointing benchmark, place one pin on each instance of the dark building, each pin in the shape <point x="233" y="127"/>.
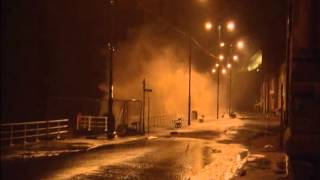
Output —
<point x="291" y="89"/>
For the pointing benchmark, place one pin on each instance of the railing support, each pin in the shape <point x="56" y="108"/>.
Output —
<point x="37" y="131"/>
<point x="11" y="135"/>
<point x="105" y="125"/>
<point x="58" y="134"/>
<point x="25" y="134"/>
<point x="89" y="124"/>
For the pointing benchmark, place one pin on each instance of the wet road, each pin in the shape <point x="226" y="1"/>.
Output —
<point x="158" y="158"/>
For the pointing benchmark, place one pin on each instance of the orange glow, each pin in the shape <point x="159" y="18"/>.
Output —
<point x="230" y="26"/>
<point x="240" y="44"/>
<point x="222" y="44"/>
<point x="213" y="70"/>
<point x="229" y="65"/>
<point x="235" y="57"/>
<point x="224" y="71"/>
<point x="217" y="65"/>
<point x="208" y="26"/>
<point x="221" y="57"/>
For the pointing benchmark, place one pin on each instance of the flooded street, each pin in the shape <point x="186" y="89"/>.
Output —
<point x="167" y="157"/>
<point x="212" y="152"/>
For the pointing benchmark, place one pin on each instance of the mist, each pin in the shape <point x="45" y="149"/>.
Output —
<point x="162" y="60"/>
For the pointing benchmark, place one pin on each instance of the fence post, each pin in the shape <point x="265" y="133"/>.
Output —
<point x="37" y="137"/>
<point x="25" y="134"/>
<point x="47" y="129"/>
<point x="11" y="135"/>
<point x="105" y="124"/>
<point x="78" y="120"/>
<point x="58" y="135"/>
<point x="89" y="123"/>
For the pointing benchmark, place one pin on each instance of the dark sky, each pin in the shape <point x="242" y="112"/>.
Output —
<point x="55" y="48"/>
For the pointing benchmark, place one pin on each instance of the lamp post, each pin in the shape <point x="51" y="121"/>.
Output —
<point x="189" y="85"/>
<point x="111" y="119"/>
<point x="230" y="78"/>
<point x="214" y="70"/>
<point x="111" y="48"/>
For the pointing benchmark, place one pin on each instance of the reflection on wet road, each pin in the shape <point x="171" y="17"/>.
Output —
<point x="161" y="158"/>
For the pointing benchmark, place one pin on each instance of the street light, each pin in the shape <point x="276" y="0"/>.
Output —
<point x="221" y="57"/>
<point x="222" y="44"/>
<point x="229" y="67"/>
<point x="230" y="26"/>
<point x="240" y="44"/>
<point x="235" y="57"/>
<point x="208" y="26"/>
<point x="223" y="71"/>
<point x="214" y="71"/>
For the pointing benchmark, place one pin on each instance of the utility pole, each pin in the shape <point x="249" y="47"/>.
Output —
<point x="143" y="102"/>
<point x="230" y="77"/>
<point x="148" y="114"/>
<point x="144" y="89"/>
<point x="218" y="76"/>
<point x="111" y="118"/>
<point x="189" y="97"/>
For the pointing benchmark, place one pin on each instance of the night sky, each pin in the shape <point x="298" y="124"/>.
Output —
<point x="56" y="48"/>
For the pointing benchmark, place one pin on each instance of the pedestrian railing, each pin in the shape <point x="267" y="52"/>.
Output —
<point x="13" y="132"/>
<point x="164" y="121"/>
<point x="91" y="123"/>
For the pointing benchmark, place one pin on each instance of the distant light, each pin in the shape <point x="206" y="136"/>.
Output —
<point x="229" y="65"/>
<point x="217" y="65"/>
<point x="208" y="26"/>
<point x="258" y="70"/>
<point x="222" y="44"/>
<point x="224" y="71"/>
<point x="235" y="57"/>
<point x="240" y="44"/>
<point x="230" y="26"/>
<point x="133" y="100"/>
<point x="221" y="57"/>
<point x="213" y="70"/>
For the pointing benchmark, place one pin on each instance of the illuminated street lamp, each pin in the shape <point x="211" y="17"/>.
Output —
<point x="223" y="71"/>
<point x="229" y="67"/>
<point x="230" y="26"/>
<point x="208" y="26"/>
<point x="240" y="44"/>
<point x="235" y="57"/>
<point x="222" y="44"/>
<point x="221" y="57"/>
<point x="217" y="71"/>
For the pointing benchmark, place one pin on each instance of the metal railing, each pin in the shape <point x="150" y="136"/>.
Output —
<point x="90" y="123"/>
<point x="163" y="121"/>
<point x="35" y="129"/>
